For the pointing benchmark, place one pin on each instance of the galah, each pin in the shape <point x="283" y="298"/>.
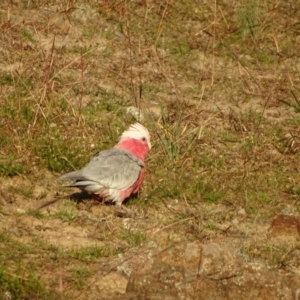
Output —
<point x="115" y="174"/>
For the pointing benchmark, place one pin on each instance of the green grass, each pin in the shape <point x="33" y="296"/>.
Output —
<point x="133" y="238"/>
<point x="18" y="278"/>
<point x="23" y="267"/>
<point x="27" y="35"/>
<point x="9" y="166"/>
<point x="210" y="226"/>
<point x="35" y="213"/>
<point x="16" y="285"/>
<point x="89" y="254"/>
<point x="79" y="276"/>
<point x="66" y="216"/>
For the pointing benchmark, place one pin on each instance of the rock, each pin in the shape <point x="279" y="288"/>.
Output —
<point x="208" y="272"/>
<point x="84" y="13"/>
<point x="136" y="113"/>
<point x="176" y="270"/>
<point x="114" y="282"/>
<point x="242" y="213"/>
<point x="285" y="225"/>
<point x="136" y="259"/>
<point x="114" y="274"/>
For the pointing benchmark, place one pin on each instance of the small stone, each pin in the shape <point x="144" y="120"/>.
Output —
<point x="136" y="113"/>
<point x="285" y="225"/>
<point x="21" y="211"/>
<point x="235" y="222"/>
<point x="85" y="13"/>
<point x="241" y="212"/>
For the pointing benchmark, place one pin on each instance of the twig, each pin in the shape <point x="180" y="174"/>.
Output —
<point x="47" y="203"/>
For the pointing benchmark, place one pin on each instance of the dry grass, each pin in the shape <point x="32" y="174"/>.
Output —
<point x="224" y="78"/>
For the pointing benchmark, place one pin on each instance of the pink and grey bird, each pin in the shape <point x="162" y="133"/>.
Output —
<point x="115" y="174"/>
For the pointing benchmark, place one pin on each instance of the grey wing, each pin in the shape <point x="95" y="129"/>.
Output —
<point x="114" y="169"/>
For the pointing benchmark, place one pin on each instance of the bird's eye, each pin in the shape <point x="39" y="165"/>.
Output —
<point x="143" y="139"/>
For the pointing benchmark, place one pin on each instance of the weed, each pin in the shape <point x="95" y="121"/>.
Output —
<point x="24" y="190"/>
<point x="210" y="226"/>
<point x="66" y="215"/>
<point x="133" y="238"/>
<point x="79" y="276"/>
<point x="9" y="166"/>
<point x="248" y="18"/>
<point x="35" y="213"/>
<point x="58" y="155"/>
<point x="27" y="35"/>
<point x="17" y="285"/>
<point x="294" y="191"/>
<point x="87" y="254"/>
<point x="212" y="197"/>
<point x="177" y="140"/>
<point x="7" y="79"/>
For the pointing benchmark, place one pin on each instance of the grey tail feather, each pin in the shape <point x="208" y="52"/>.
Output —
<point x="72" y="175"/>
<point x="80" y="183"/>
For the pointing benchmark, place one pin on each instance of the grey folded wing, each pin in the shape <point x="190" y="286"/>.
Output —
<point x="114" y="169"/>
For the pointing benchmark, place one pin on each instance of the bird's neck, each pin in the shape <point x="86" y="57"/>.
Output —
<point x="134" y="146"/>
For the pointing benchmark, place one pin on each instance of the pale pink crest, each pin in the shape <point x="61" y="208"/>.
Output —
<point x="138" y="132"/>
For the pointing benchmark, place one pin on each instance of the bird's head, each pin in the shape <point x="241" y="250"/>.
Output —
<point x="138" y="132"/>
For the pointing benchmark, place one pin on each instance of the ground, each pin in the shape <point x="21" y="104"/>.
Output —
<point x="216" y="84"/>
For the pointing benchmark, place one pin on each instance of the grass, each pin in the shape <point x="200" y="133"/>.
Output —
<point x="66" y="216"/>
<point x="19" y="280"/>
<point x="10" y="167"/>
<point x="225" y="81"/>
<point x="88" y="254"/>
<point x="23" y="268"/>
<point x="18" y="286"/>
<point x="35" y="213"/>
<point x="132" y="237"/>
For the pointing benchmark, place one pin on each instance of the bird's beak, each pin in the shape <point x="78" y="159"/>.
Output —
<point x="149" y="145"/>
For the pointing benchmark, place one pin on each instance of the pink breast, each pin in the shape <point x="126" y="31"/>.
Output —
<point x="134" y="188"/>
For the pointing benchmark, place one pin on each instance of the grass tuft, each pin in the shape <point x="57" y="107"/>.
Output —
<point x="133" y="238"/>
